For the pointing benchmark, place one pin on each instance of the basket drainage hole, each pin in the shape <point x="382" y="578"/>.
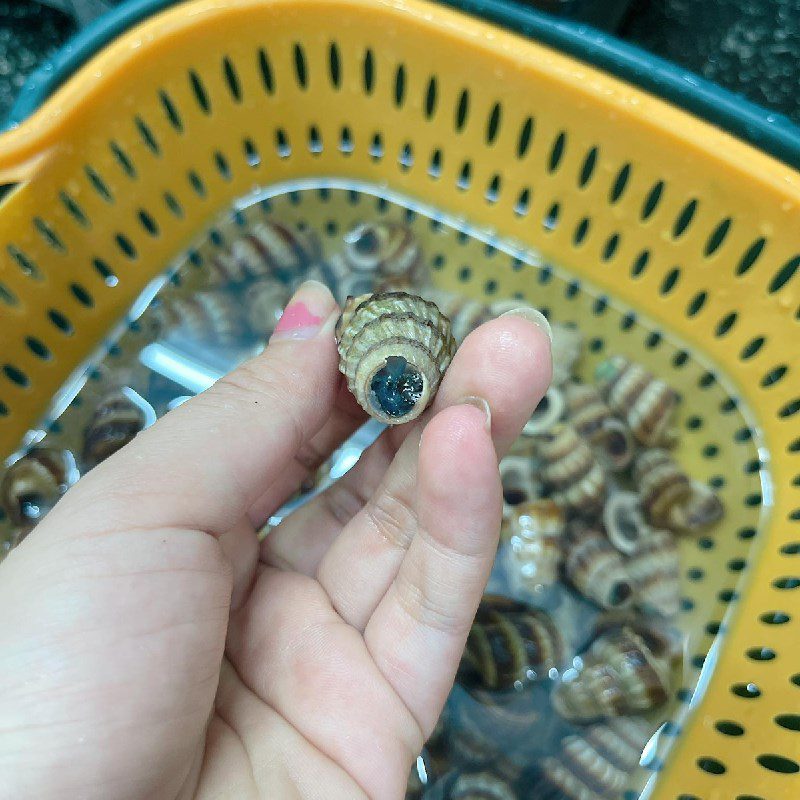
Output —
<point x="711" y="765"/>
<point x="729" y="728"/>
<point x="776" y="763"/>
<point x="748" y="691"/>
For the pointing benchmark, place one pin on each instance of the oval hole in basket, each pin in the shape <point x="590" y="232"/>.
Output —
<point x="406" y="160"/>
<point x="729" y="728"/>
<point x="368" y="71"/>
<point x="525" y="137"/>
<point x="557" y="151"/>
<point x="751" y="348"/>
<point x="790" y="409"/>
<point x="74" y="209"/>
<point x="199" y="92"/>
<point x="640" y="264"/>
<point x="684" y="219"/>
<point x="493" y="123"/>
<point x="610" y="247"/>
<point x="147" y="136"/>
<point x="16" y="375"/>
<point x="750" y="256"/>
<point x="105" y="272"/>
<point x="232" y="79"/>
<point x="774" y="618"/>
<point x="773" y="376"/>
<point x="748" y="691"/>
<point x="346" y="145"/>
<point x="789" y="721"/>
<point x="98" y="184"/>
<point x="620" y="183"/>
<point x="334" y="65"/>
<point x="399" y="86"/>
<point x="431" y="97"/>
<point x="652" y="200"/>
<point x="300" y="68"/>
<point x="726" y="323"/>
<point x="523" y="203"/>
<point x="711" y="765"/>
<point x="49" y="236"/>
<point x="776" y="763"/>
<point x="581" y="231"/>
<point x="38" y="348"/>
<point x="784" y="275"/>
<point x="126" y="246"/>
<point x="587" y="168"/>
<point x="170" y="111"/>
<point x="462" y="110"/>
<point x="265" y="70"/>
<point x="550" y="219"/>
<point x="696" y="304"/>
<point x="81" y="295"/>
<point x="7" y="296"/>
<point x="27" y="265"/>
<point x="493" y="189"/>
<point x="786" y="583"/>
<point x="670" y="281"/>
<point x="435" y="165"/>
<point x="717" y="237"/>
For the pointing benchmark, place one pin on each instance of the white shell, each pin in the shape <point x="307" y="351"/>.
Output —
<point x="393" y="349"/>
<point x="566" y="349"/>
<point x="533" y="552"/>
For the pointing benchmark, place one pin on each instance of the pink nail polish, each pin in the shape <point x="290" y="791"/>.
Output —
<point x="297" y="322"/>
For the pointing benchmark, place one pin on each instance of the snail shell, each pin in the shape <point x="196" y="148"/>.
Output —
<point x="211" y="316"/>
<point x="115" y="422"/>
<point x="646" y="403"/>
<point x="480" y="786"/>
<point x="393" y="349"/>
<point x="547" y="414"/>
<point x="621" y="674"/>
<point x="387" y="251"/>
<point x="264" y="302"/>
<point x="663" y="486"/>
<point x="509" y="644"/>
<point x="702" y="509"/>
<point x="624" y="521"/>
<point x="34" y="483"/>
<point x="598" y="763"/>
<point x="566" y="348"/>
<point x="572" y="471"/>
<point x="595" y="568"/>
<point x="655" y="572"/>
<point x="610" y="438"/>
<point x="533" y="556"/>
<point x="520" y="482"/>
<point x="268" y="248"/>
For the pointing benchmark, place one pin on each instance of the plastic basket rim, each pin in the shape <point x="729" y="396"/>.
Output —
<point x="771" y="132"/>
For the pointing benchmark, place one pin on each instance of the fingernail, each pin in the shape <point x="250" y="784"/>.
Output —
<point x="479" y="402"/>
<point x="532" y="315"/>
<point x="310" y="308"/>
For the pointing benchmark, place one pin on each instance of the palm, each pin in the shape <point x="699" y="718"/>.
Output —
<point x="144" y="657"/>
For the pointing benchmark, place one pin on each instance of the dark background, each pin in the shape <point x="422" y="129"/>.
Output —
<point x="749" y="46"/>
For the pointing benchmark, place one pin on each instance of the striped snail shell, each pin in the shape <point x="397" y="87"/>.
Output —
<point x="663" y="486"/>
<point x="268" y="248"/>
<point x="117" y="418"/>
<point x="464" y="313"/>
<point x="547" y="414"/>
<point x="533" y="555"/>
<point x="624" y="672"/>
<point x="520" y="482"/>
<point x="655" y="572"/>
<point x="571" y="469"/>
<point x="509" y="644"/>
<point x="472" y="785"/>
<point x="609" y="437"/>
<point x="597" y="764"/>
<point x="702" y="509"/>
<point x="646" y="403"/>
<point x="387" y="250"/>
<point x="211" y="316"/>
<point x="566" y="348"/>
<point x="264" y="302"/>
<point x="595" y="568"/>
<point x="624" y="521"/>
<point x="393" y="349"/>
<point x="34" y="483"/>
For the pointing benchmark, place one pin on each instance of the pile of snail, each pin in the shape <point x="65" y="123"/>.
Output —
<point x="546" y="705"/>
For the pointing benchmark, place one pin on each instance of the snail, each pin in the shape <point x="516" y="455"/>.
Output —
<point x="609" y="437"/>
<point x="520" y="482"/>
<point x="571" y="470"/>
<point x="268" y="248"/>
<point x="115" y="422"/>
<point x="597" y="764"/>
<point x="702" y="509"/>
<point x="595" y="568"/>
<point x="655" y="572"/>
<point x="625" y="671"/>
<point x="210" y="316"/>
<point x="33" y="484"/>
<point x="509" y="644"/>
<point x="472" y="785"/>
<point x="533" y="556"/>
<point x="394" y="348"/>
<point x="547" y="414"/>
<point x="264" y="301"/>
<point x="646" y="403"/>
<point x="624" y="521"/>
<point x="387" y="251"/>
<point x="566" y="348"/>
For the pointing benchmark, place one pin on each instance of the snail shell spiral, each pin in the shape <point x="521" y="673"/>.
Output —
<point x="646" y="403"/>
<point x="533" y="556"/>
<point x="624" y="521"/>
<point x="116" y="421"/>
<point x="621" y="674"/>
<point x="595" y="568"/>
<point x="655" y="572"/>
<point x="394" y="348"/>
<point x="663" y="485"/>
<point x="509" y="643"/>
<point x="571" y="469"/>
<point x="33" y="484"/>
<point x="268" y="248"/>
<point x="592" y="418"/>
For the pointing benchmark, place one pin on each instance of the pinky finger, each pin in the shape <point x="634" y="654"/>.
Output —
<point x="417" y="633"/>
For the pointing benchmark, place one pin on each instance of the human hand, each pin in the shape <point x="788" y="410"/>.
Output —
<point x="150" y="647"/>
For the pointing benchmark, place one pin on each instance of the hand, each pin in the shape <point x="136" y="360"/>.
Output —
<point x="151" y="648"/>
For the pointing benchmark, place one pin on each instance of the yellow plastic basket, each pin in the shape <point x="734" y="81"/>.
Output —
<point x="640" y="202"/>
